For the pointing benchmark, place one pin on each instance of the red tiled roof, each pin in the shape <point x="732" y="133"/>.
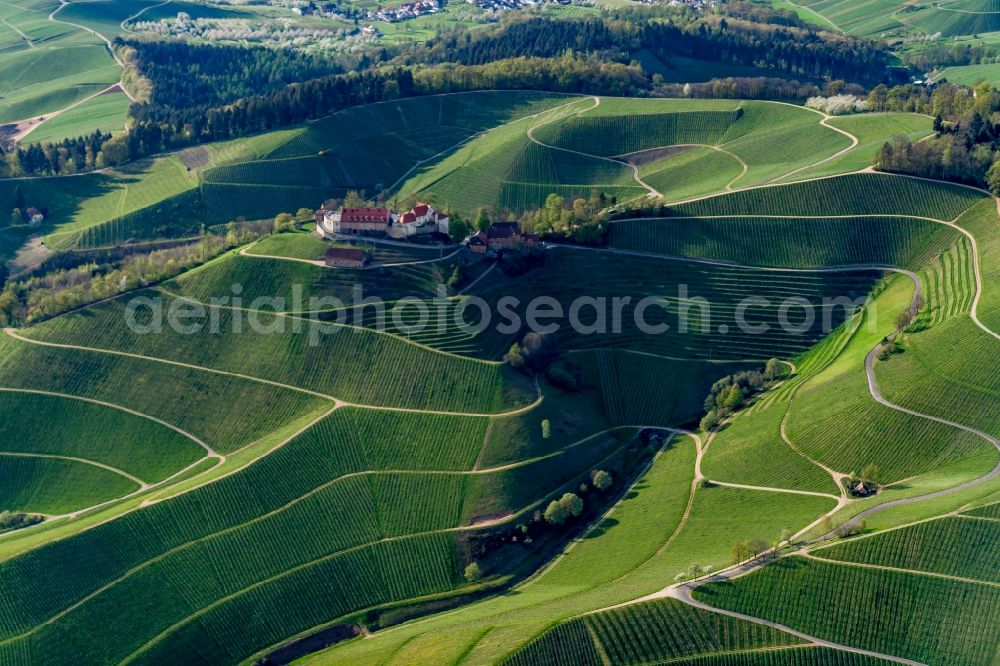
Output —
<point x="370" y="215"/>
<point x="479" y="238"/>
<point x="420" y="210"/>
<point x="408" y="217"/>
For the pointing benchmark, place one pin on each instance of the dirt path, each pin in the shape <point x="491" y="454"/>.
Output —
<point x="880" y="567"/>
<point x="840" y="153"/>
<point x="771" y="489"/>
<point x="810" y="10"/>
<point x="472" y="284"/>
<point x="817" y="178"/>
<point x="653" y="192"/>
<point x="337" y="401"/>
<point x="139" y="13"/>
<point x="245" y="252"/>
<point x="120" y="472"/>
<point x="23" y="36"/>
<point x="683" y="593"/>
<point x="31" y="124"/>
<point x="107" y="42"/>
<point x="209" y="451"/>
<point x="28" y="125"/>
<point x="627" y="158"/>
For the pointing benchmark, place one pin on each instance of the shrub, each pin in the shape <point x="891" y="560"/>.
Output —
<point x="774" y="369"/>
<point x="560" y="510"/>
<point x="473" y="572"/>
<point x="601" y="479"/>
<point x="514" y="357"/>
<point x="572" y="503"/>
<point x="555" y="513"/>
<point x="16" y="521"/>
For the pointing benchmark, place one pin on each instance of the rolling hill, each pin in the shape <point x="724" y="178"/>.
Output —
<point x="254" y="488"/>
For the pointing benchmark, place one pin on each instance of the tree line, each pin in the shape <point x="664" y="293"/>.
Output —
<point x="618" y="35"/>
<point x="966" y="145"/>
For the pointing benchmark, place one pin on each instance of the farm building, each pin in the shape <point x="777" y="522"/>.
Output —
<point x="345" y="257"/>
<point x="503" y="235"/>
<point x="478" y="243"/>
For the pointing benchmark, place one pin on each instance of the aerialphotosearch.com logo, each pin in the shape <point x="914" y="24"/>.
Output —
<point x="321" y="316"/>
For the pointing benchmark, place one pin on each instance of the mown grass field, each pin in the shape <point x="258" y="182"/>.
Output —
<point x="41" y="80"/>
<point x="47" y="65"/>
<point x="105" y="113"/>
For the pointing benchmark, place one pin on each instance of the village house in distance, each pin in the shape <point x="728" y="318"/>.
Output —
<point x="421" y="219"/>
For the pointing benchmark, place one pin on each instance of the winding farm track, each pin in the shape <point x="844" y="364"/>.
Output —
<point x="30" y="124"/>
<point x="653" y="192"/>
<point x="209" y="452"/>
<point x="139" y="13"/>
<point x="683" y="591"/>
<point x="52" y="456"/>
<point x="881" y="567"/>
<point x="188" y="544"/>
<point x="245" y="252"/>
<point x="20" y="33"/>
<point x="839" y="153"/>
<point x="107" y="42"/>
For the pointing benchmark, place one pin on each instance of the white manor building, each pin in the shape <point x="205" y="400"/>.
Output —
<point x="421" y="219"/>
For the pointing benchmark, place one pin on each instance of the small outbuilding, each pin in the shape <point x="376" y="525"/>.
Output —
<point x="345" y="257"/>
<point x="478" y="243"/>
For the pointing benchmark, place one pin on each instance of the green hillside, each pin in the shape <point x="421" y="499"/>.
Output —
<point x="289" y="469"/>
<point x="887" y="611"/>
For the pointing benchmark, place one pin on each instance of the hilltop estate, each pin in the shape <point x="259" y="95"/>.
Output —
<point x="573" y="333"/>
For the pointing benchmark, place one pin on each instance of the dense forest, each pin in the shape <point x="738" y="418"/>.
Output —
<point x="191" y="75"/>
<point x="967" y="123"/>
<point x="779" y="48"/>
